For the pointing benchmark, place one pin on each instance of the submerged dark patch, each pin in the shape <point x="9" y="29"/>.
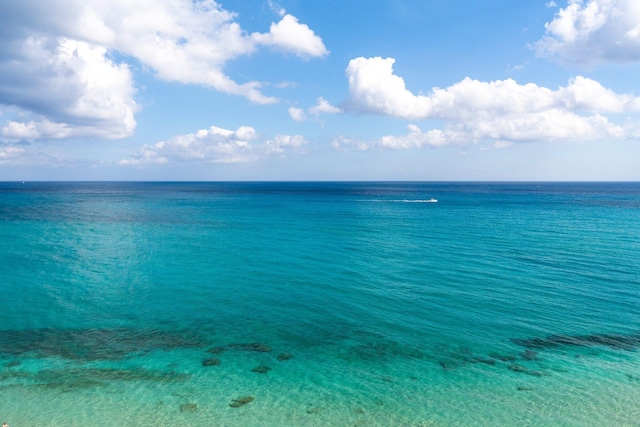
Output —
<point x="188" y="407"/>
<point x="78" y="378"/>
<point x="284" y="356"/>
<point x="211" y="362"/>
<point x="241" y="401"/>
<point x="524" y="370"/>
<point x="253" y="347"/>
<point x="614" y="341"/>
<point x="261" y="369"/>
<point x="257" y="347"/>
<point x="92" y="344"/>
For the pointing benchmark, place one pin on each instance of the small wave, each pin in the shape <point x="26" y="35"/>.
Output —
<point x="400" y="200"/>
<point x="416" y="201"/>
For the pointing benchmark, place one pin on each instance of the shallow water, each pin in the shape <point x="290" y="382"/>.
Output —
<point x="502" y="304"/>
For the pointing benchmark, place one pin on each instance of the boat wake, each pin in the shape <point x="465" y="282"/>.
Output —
<point x="402" y="201"/>
<point x="416" y="201"/>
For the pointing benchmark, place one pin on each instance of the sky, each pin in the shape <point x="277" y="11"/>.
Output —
<point x="410" y="90"/>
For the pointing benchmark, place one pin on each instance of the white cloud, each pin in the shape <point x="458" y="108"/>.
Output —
<point x="210" y="145"/>
<point x="592" y="32"/>
<point x="215" y="145"/>
<point x="550" y="4"/>
<point x="497" y="110"/>
<point x="323" y="106"/>
<point x="280" y="143"/>
<point x="297" y="114"/>
<point x="276" y="8"/>
<point x="291" y="36"/>
<point x="416" y="138"/>
<point x="373" y="88"/>
<point x="58" y="66"/>
<point x="343" y="143"/>
<point x="10" y="154"/>
<point x="502" y="144"/>
<point x="71" y="87"/>
<point x="21" y="154"/>
<point x="553" y="125"/>
<point x="515" y="68"/>
<point x="190" y="42"/>
<point x="285" y="85"/>
<point x="34" y="130"/>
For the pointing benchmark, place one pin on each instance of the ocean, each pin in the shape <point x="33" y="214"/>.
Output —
<point x="319" y="304"/>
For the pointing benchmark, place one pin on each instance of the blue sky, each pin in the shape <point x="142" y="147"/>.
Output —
<point x="320" y="90"/>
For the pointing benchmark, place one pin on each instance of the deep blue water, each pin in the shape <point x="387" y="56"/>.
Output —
<point x="328" y="303"/>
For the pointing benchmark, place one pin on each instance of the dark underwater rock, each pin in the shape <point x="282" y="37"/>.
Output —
<point x="614" y="341"/>
<point x="483" y="360"/>
<point x="254" y="346"/>
<point x="452" y="363"/>
<point x="524" y="388"/>
<point x="188" y="407"/>
<point x="211" y="362"/>
<point x="503" y="357"/>
<point x="12" y="364"/>
<point x="73" y="385"/>
<point x="241" y="401"/>
<point x="257" y="347"/>
<point x="448" y="365"/>
<point x="315" y="409"/>
<point x="78" y="378"/>
<point x="261" y="369"/>
<point x="217" y="350"/>
<point x="633" y="377"/>
<point x="521" y="369"/>
<point x="529" y="355"/>
<point x="93" y="344"/>
<point x="464" y="350"/>
<point x="14" y="374"/>
<point x="284" y="356"/>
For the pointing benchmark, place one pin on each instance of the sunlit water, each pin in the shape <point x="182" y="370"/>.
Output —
<point x="319" y="304"/>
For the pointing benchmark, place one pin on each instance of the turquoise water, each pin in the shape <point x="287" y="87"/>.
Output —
<point x="329" y="304"/>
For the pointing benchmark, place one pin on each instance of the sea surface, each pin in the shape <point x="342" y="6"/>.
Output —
<point x="319" y="304"/>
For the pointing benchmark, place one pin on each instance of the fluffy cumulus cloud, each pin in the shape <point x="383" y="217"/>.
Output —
<point x="297" y="114"/>
<point x="71" y="87"/>
<point x="373" y="88"/>
<point x="552" y="125"/>
<point x="291" y="36"/>
<point x="215" y="145"/>
<point x="10" y="154"/>
<point x="593" y="31"/>
<point x="58" y="66"/>
<point x="501" y="110"/>
<point x="322" y="107"/>
<point x="281" y="143"/>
